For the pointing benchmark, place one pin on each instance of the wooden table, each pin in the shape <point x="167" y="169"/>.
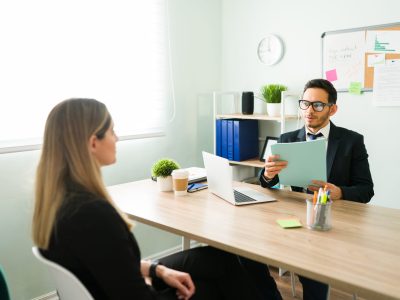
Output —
<point x="360" y="254"/>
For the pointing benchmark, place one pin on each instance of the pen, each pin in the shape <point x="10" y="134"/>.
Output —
<point x="314" y="200"/>
<point x="324" y="198"/>
<point x="319" y="195"/>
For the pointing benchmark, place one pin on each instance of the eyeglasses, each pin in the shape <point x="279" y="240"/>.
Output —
<point x="317" y="105"/>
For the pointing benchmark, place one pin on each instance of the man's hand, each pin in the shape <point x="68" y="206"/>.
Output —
<point x="179" y="280"/>
<point x="273" y="166"/>
<point x="336" y="192"/>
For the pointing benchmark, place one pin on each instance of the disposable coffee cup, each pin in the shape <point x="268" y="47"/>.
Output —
<point x="180" y="181"/>
<point x="319" y="215"/>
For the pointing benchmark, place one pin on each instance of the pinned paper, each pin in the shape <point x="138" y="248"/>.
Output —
<point x="387" y="85"/>
<point x="376" y="59"/>
<point x="289" y="223"/>
<point x="331" y="75"/>
<point x="355" y="88"/>
<point x="392" y="61"/>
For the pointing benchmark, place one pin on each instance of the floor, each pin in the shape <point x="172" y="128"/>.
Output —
<point x="284" y="286"/>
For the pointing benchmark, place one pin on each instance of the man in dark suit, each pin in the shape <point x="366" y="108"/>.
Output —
<point x="348" y="171"/>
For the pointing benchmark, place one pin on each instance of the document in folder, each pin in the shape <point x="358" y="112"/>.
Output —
<point x="306" y="162"/>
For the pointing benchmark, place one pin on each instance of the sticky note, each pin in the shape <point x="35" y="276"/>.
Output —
<point x="289" y="223"/>
<point x="331" y="75"/>
<point x="355" y="88"/>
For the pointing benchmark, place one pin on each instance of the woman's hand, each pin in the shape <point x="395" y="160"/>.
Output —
<point x="176" y="279"/>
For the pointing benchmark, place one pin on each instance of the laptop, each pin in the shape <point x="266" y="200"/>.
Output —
<point x="220" y="183"/>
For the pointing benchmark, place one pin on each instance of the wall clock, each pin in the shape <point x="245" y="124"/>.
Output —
<point x="270" y="50"/>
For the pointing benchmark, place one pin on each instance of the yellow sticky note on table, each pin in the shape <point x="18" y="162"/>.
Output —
<point x="289" y="223"/>
<point x="355" y="88"/>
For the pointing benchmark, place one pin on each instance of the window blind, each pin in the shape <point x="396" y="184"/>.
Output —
<point x="113" y="51"/>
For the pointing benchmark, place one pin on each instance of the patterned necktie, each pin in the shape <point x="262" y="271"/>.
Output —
<point x="314" y="136"/>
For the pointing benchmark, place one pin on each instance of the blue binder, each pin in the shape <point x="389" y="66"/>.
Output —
<point x="224" y="138"/>
<point x="218" y="142"/>
<point x="245" y="139"/>
<point x="230" y="140"/>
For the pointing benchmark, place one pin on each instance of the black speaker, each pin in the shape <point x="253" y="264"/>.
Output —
<point x="247" y="103"/>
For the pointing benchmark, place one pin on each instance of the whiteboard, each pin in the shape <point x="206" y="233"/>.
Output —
<point x="349" y="56"/>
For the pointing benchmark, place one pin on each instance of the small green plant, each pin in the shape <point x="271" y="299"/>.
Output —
<point x="164" y="167"/>
<point x="272" y="92"/>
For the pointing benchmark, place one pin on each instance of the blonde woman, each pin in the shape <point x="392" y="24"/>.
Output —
<point x="77" y="225"/>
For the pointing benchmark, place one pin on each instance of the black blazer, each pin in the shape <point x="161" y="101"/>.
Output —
<point x="92" y="241"/>
<point x="346" y="161"/>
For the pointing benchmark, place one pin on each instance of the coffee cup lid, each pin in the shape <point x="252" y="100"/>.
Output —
<point x="180" y="172"/>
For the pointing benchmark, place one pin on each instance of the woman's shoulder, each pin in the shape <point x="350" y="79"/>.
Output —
<point x="90" y="218"/>
<point x="86" y="206"/>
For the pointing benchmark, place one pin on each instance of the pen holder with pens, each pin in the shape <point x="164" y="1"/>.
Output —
<point x="319" y="215"/>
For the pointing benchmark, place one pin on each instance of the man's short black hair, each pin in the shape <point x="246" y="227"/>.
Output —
<point x="326" y="85"/>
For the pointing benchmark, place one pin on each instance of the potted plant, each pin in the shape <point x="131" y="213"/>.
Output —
<point x="162" y="170"/>
<point x="272" y="96"/>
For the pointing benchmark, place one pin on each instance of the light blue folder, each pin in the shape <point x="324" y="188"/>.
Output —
<point x="306" y="162"/>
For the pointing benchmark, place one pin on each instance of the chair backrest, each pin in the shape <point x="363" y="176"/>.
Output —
<point x="68" y="286"/>
<point x="4" y="295"/>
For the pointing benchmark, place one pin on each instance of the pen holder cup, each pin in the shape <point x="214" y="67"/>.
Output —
<point x="319" y="216"/>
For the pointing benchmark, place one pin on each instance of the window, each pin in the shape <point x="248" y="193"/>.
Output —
<point x="113" y="51"/>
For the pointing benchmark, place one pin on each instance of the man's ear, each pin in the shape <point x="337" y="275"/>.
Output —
<point x="333" y="110"/>
<point x="92" y="144"/>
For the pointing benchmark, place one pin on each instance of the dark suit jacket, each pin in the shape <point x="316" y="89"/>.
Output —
<point x="92" y="241"/>
<point x="346" y="161"/>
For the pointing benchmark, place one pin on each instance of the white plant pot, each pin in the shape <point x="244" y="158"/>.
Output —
<point x="274" y="109"/>
<point x="164" y="184"/>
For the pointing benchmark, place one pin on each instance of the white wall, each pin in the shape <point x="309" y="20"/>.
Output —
<point x="300" y="25"/>
<point x="194" y="26"/>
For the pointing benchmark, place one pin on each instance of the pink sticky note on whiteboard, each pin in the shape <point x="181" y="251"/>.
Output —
<point x="331" y="75"/>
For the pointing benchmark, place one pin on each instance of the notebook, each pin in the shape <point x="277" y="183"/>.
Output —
<point x="220" y="183"/>
<point x="196" y="174"/>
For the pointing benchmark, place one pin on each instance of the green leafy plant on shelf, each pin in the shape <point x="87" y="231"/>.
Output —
<point x="272" y="92"/>
<point x="164" y="167"/>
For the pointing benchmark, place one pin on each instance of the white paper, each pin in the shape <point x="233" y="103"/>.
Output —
<point x="392" y="61"/>
<point x="383" y="41"/>
<point x="386" y="91"/>
<point x="299" y="171"/>
<point x="376" y="59"/>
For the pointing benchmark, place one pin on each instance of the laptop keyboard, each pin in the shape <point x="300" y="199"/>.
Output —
<point x="240" y="197"/>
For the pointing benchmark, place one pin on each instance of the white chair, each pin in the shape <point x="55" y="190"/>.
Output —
<point x="4" y="295"/>
<point x="68" y="286"/>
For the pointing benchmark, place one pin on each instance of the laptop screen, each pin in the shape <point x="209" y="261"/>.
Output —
<point x="219" y="176"/>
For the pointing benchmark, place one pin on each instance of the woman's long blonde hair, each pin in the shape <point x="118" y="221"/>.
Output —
<point x="66" y="158"/>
